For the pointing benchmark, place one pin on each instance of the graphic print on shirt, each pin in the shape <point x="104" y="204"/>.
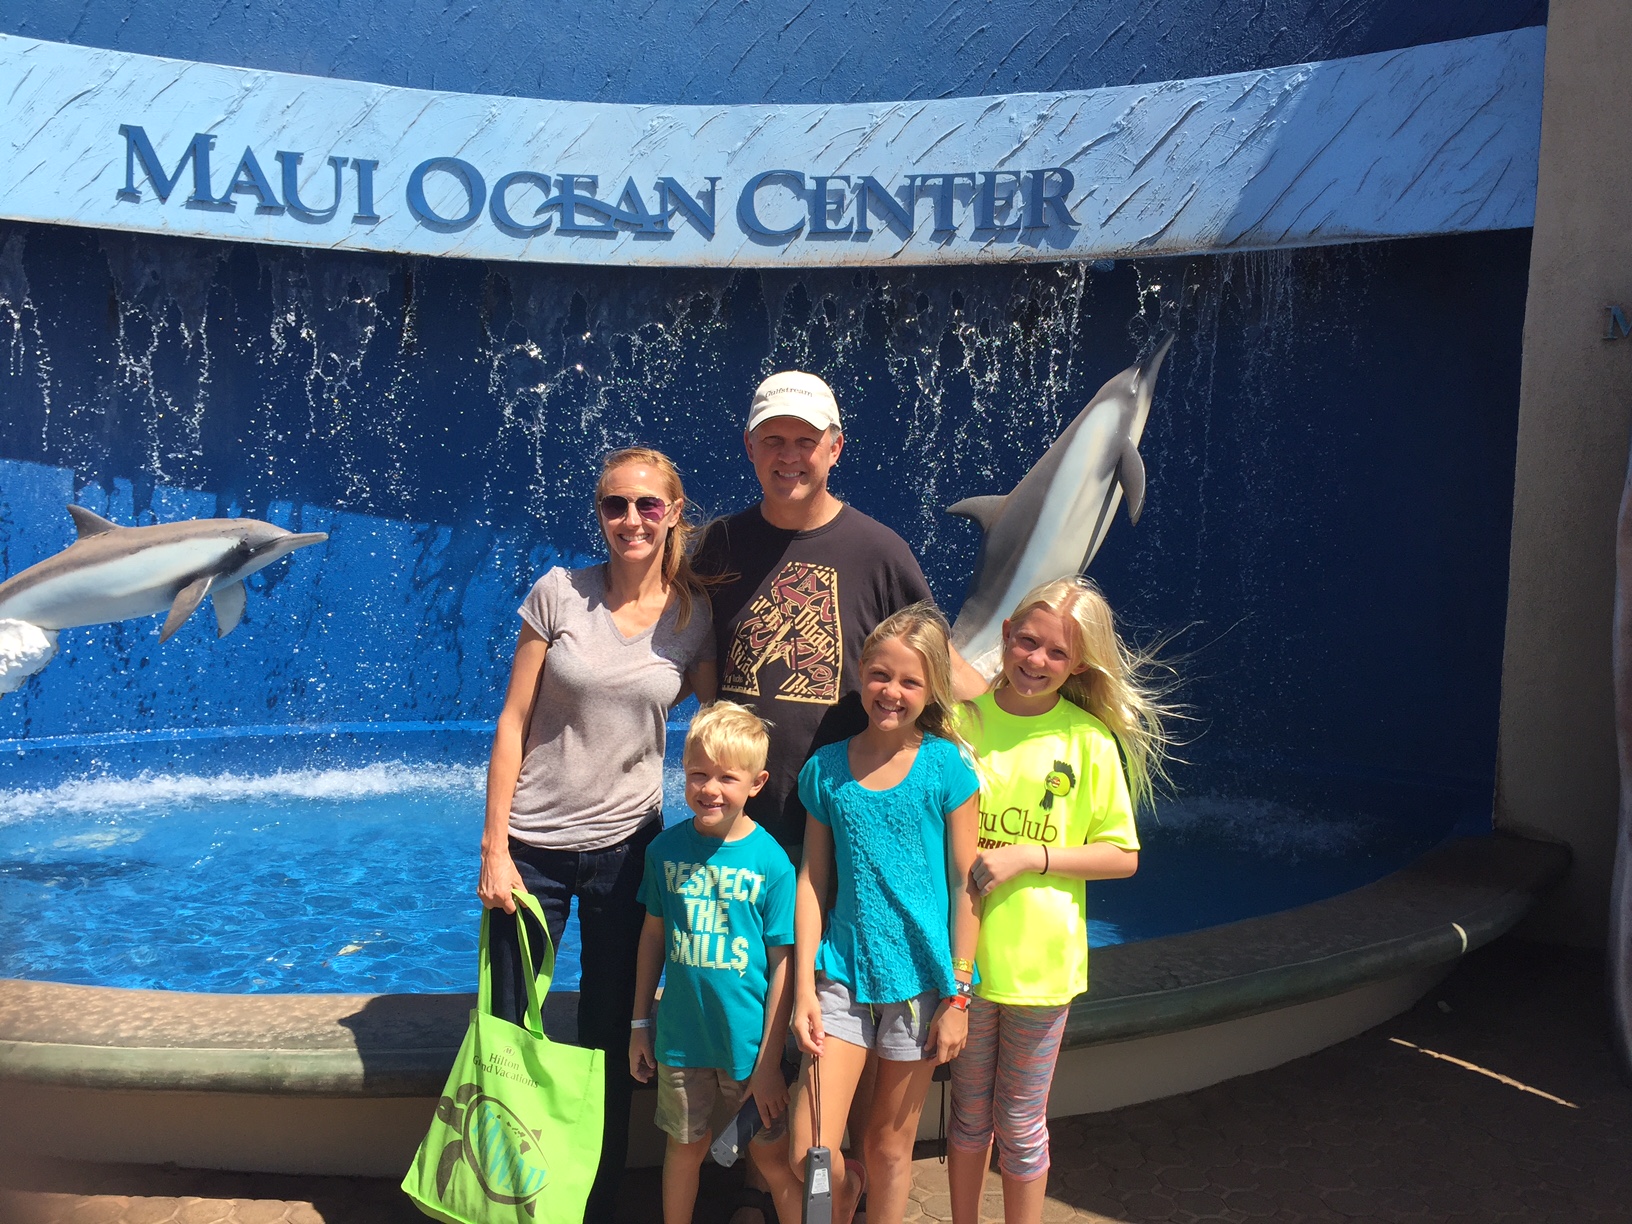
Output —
<point x="1058" y="784"/>
<point x="1014" y="824"/>
<point x="792" y="631"/>
<point x="707" y="893"/>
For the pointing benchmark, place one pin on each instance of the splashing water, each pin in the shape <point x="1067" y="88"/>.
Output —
<point x="444" y="421"/>
<point x="361" y="880"/>
<point x="25" y="649"/>
<point x="149" y="791"/>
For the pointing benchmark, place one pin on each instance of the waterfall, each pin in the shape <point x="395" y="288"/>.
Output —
<point x="1330" y="462"/>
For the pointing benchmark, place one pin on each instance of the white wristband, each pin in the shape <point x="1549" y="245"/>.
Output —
<point x="639" y="1024"/>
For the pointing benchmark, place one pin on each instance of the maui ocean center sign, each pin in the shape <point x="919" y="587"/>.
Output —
<point x="1304" y="155"/>
<point x="450" y="194"/>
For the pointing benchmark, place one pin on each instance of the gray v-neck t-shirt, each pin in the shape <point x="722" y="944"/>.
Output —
<point x="592" y="765"/>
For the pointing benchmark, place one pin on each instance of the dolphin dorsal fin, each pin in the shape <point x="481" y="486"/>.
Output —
<point x="89" y="523"/>
<point x="983" y="510"/>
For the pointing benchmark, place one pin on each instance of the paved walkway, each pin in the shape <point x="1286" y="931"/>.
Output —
<point x="1495" y="1099"/>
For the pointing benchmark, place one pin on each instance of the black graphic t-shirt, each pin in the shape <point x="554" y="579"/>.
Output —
<point x="789" y="620"/>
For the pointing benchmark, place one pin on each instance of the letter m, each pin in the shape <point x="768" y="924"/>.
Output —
<point x="1616" y="325"/>
<point x="139" y="148"/>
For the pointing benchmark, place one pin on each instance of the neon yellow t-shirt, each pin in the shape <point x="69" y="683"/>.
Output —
<point x="1054" y="779"/>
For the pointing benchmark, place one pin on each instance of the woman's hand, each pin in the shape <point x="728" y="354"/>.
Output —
<point x="948" y="1033"/>
<point x="769" y="1090"/>
<point x="999" y="866"/>
<point x="807" y="1024"/>
<point x="642" y="1062"/>
<point x="499" y="879"/>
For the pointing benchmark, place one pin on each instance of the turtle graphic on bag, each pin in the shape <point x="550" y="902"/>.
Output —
<point x="495" y="1145"/>
<point x="512" y="1096"/>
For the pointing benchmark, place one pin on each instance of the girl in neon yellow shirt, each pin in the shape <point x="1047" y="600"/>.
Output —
<point x="1056" y="809"/>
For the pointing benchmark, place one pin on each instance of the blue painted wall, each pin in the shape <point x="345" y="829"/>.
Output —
<point x="1330" y="463"/>
<point x="725" y="51"/>
<point x="1331" y="454"/>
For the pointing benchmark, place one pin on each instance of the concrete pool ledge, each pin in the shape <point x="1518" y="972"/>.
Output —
<point x="345" y="1083"/>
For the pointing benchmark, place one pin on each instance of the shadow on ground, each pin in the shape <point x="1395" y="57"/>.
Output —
<point x="1494" y="1099"/>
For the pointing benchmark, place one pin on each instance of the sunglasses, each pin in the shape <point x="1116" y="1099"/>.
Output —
<point x="615" y="506"/>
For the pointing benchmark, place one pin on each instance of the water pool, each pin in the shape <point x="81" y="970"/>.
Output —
<point x="358" y="878"/>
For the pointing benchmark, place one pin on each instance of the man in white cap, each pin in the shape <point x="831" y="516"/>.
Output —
<point x="804" y="579"/>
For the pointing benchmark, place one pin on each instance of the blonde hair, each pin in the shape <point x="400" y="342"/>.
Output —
<point x="731" y="735"/>
<point x="922" y="627"/>
<point x="681" y="539"/>
<point x="1117" y="687"/>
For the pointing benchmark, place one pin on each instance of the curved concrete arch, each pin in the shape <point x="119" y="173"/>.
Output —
<point x="1436" y="139"/>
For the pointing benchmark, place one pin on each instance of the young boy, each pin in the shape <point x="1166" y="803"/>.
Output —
<point x="719" y="895"/>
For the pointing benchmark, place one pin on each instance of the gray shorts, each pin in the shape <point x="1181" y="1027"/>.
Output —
<point x="894" y="1031"/>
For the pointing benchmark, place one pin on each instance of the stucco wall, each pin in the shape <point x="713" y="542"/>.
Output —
<point x="1557" y="770"/>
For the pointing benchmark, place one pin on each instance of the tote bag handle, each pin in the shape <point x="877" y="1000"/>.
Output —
<point x="537" y="988"/>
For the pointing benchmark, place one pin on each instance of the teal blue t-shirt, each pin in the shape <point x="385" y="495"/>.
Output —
<point x="722" y="904"/>
<point x="889" y="938"/>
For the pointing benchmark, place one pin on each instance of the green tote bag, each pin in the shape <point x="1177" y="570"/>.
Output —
<point x="517" y="1133"/>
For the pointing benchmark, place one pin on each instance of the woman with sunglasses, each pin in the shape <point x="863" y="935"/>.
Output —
<point x="575" y="781"/>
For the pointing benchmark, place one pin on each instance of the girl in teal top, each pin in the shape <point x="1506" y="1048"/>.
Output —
<point x="893" y="811"/>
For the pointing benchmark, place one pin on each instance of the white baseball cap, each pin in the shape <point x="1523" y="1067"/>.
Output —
<point x="794" y="393"/>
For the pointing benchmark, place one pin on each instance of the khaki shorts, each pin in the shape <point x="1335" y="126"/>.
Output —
<point x="699" y="1102"/>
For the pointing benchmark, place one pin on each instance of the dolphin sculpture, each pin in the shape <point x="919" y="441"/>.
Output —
<point x="113" y="573"/>
<point x="1052" y="523"/>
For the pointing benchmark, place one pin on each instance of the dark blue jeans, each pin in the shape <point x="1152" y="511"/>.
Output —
<point x="610" y="917"/>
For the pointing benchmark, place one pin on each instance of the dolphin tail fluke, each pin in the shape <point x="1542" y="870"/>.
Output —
<point x="229" y="607"/>
<point x="186" y="603"/>
<point x="1130" y="474"/>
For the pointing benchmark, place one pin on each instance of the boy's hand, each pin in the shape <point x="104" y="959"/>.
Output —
<point x="769" y="1090"/>
<point x="948" y="1033"/>
<point x="999" y="866"/>
<point x="642" y="1062"/>
<point x="807" y="1024"/>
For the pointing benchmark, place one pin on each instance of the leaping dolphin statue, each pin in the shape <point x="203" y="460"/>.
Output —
<point x="113" y="573"/>
<point x="1052" y="523"/>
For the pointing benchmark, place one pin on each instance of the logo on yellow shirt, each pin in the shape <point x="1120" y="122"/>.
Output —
<point x="1058" y="784"/>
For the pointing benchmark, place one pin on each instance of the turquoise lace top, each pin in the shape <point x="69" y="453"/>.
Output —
<point x="888" y="937"/>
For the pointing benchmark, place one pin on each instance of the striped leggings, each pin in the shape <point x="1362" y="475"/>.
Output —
<point x="1000" y="1084"/>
